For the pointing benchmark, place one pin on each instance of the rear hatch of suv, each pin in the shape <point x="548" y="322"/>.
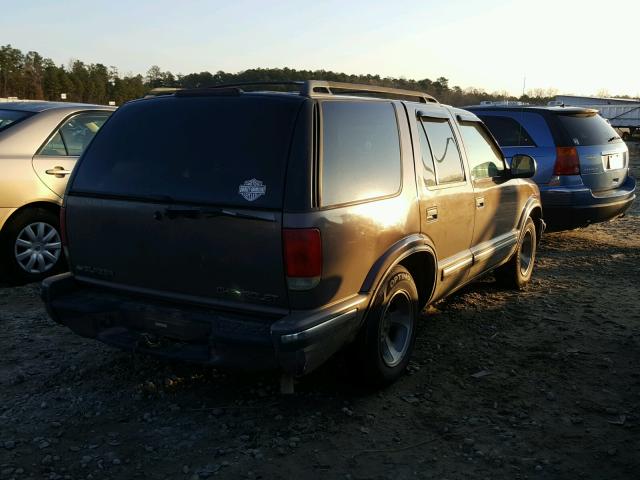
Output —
<point x="182" y="196"/>
<point x="603" y="156"/>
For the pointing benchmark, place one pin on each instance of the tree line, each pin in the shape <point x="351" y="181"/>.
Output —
<point x="32" y="76"/>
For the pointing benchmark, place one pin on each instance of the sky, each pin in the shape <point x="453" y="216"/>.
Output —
<point x="579" y="47"/>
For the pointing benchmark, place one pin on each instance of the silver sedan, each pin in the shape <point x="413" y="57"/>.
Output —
<point x="39" y="145"/>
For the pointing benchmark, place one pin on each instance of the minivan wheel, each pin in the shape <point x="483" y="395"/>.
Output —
<point x="516" y="273"/>
<point x="384" y="345"/>
<point x="30" y="246"/>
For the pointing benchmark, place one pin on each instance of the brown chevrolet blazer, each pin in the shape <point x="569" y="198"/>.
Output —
<point x="268" y="230"/>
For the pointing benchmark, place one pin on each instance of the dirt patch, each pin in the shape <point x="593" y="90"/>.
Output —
<point x="539" y="384"/>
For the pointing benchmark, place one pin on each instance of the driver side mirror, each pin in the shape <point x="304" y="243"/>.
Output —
<point x="523" y="166"/>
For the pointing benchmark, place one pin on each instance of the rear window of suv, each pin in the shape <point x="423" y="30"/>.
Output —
<point x="588" y="129"/>
<point x="10" y="117"/>
<point x="213" y="150"/>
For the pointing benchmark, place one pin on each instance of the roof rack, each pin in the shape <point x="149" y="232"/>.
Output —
<point x="155" y="92"/>
<point x="314" y="88"/>
<point x="323" y="87"/>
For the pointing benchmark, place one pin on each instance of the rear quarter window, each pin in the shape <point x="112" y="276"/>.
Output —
<point x="214" y="150"/>
<point x="361" y="151"/>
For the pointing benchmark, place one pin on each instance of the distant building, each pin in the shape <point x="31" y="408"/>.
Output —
<point x="578" y="101"/>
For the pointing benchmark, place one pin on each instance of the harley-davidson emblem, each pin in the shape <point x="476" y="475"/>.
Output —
<point x="252" y="189"/>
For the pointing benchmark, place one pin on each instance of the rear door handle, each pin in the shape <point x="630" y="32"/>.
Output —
<point x="58" y="171"/>
<point x="432" y="214"/>
<point x="480" y="202"/>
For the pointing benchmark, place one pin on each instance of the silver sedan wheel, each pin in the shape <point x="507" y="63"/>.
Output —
<point x="38" y="248"/>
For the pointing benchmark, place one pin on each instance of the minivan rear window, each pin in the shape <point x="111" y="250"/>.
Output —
<point x="213" y="150"/>
<point x="588" y="129"/>
<point x="11" y="117"/>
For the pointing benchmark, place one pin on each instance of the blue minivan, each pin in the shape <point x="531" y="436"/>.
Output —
<point x="582" y="163"/>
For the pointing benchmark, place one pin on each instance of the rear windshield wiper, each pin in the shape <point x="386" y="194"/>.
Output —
<point x="613" y="138"/>
<point x="209" y="212"/>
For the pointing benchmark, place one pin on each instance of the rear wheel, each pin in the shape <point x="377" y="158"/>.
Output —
<point x="385" y="343"/>
<point x="516" y="273"/>
<point x="30" y="246"/>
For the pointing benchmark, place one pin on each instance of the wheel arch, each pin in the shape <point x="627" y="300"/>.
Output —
<point x="533" y="209"/>
<point x="536" y="216"/>
<point x="50" y="206"/>
<point x="417" y="254"/>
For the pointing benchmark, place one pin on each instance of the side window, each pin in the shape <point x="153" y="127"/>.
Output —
<point x="55" y="147"/>
<point x="444" y="149"/>
<point x="428" y="172"/>
<point x="508" y="132"/>
<point x="74" y="135"/>
<point x="361" y="151"/>
<point x="485" y="161"/>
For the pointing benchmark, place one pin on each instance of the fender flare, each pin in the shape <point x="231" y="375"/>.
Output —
<point x="531" y="203"/>
<point x="397" y="252"/>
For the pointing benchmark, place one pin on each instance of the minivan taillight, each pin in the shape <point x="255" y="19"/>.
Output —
<point x="63" y="226"/>
<point x="302" y="257"/>
<point x="567" y="161"/>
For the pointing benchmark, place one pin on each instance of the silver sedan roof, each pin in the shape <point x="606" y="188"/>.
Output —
<point x="36" y="107"/>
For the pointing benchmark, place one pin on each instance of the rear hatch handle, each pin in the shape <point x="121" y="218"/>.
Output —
<point x="171" y="213"/>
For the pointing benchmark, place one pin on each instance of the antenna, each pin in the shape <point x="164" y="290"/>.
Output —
<point x="524" y="86"/>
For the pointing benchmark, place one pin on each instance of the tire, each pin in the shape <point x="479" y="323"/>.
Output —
<point x="383" y="347"/>
<point x="626" y="136"/>
<point x="31" y="234"/>
<point x="516" y="273"/>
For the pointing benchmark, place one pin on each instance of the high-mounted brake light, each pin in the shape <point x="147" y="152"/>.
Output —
<point x="302" y="257"/>
<point x="567" y="161"/>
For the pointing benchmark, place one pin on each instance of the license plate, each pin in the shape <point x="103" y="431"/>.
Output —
<point x="616" y="161"/>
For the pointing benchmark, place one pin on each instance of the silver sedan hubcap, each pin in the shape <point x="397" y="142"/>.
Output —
<point x="38" y="248"/>
<point x="397" y="327"/>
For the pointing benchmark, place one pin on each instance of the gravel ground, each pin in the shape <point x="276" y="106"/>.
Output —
<point x="539" y="384"/>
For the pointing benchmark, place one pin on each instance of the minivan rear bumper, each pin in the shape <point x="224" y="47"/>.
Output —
<point x="568" y="207"/>
<point x="295" y="344"/>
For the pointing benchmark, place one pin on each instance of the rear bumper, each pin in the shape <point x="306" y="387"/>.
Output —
<point x="295" y="344"/>
<point x="566" y="208"/>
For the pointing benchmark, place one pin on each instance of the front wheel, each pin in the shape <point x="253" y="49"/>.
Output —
<point x="516" y="273"/>
<point x="385" y="343"/>
<point x="30" y="246"/>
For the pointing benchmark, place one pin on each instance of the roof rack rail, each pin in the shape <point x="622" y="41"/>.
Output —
<point x="155" y="92"/>
<point x="313" y="88"/>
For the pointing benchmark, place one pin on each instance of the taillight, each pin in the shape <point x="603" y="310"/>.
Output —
<point x="63" y="226"/>
<point x="567" y="161"/>
<point x="302" y="257"/>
